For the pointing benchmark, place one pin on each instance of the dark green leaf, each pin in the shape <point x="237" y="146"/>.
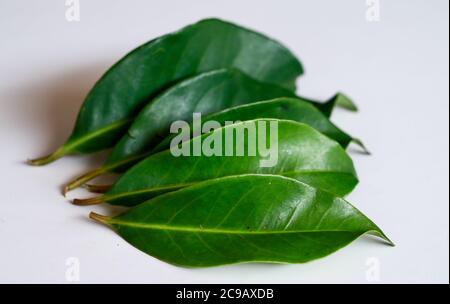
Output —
<point x="210" y="44"/>
<point x="295" y="109"/>
<point x="206" y="93"/>
<point x="253" y="218"/>
<point x="303" y="154"/>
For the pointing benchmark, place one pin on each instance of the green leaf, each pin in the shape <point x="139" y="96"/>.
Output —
<point x="210" y="44"/>
<point x="252" y="218"/>
<point x="295" y="109"/>
<point x="206" y="93"/>
<point x="303" y="154"/>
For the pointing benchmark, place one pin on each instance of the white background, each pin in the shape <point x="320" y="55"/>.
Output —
<point x="395" y="69"/>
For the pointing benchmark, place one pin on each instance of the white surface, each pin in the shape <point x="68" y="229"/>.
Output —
<point x="395" y="69"/>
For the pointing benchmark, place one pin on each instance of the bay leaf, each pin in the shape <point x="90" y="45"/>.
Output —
<point x="123" y="90"/>
<point x="249" y="218"/>
<point x="301" y="152"/>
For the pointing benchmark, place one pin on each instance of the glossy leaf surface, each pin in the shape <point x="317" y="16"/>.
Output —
<point x="295" y="109"/>
<point x="302" y="153"/>
<point x="204" y="93"/>
<point x="207" y="93"/>
<point x="252" y="218"/>
<point x="210" y="44"/>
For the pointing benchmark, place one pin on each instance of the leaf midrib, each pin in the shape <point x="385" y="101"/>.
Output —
<point x="183" y="185"/>
<point x="88" y="136"/>
<point x="218" y="231"/>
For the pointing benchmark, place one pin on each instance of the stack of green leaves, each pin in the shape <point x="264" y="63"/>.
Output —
<point x="209" y="210"/>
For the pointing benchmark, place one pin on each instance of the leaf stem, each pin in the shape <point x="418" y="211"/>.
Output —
<point x="82" y="179"/>
<point x="88" y="201"/>
<point x="60" y="152"/>
<point x="100" y="218"/>
<point x="79" y="181"/>
<point x="97" y="188"/>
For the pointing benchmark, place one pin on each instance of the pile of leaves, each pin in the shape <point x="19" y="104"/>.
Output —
<point x="223" y="208"/>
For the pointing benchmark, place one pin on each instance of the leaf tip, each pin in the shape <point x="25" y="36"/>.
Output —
<point x="383" y="236"/>
<point x="388" y="241"/>
<point x="360" y="144"/>
<point x="345" y="102"/>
